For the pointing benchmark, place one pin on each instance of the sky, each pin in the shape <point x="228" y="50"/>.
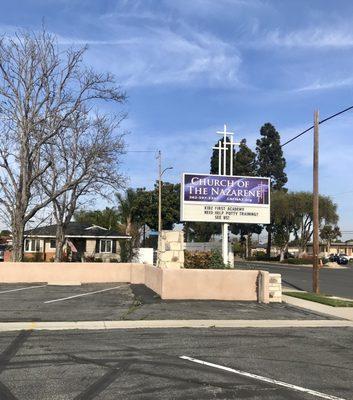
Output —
<point x="190" y="66"/>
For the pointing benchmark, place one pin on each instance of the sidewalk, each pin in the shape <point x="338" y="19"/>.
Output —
<point x="279" y="264"/>
<point x="338" y="312"/>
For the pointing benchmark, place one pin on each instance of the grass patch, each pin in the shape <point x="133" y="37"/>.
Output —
<point x="320" y="298"/>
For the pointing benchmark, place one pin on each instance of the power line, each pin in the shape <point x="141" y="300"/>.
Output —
<point x="320" y="122"/>
<point x="140" y="151"/>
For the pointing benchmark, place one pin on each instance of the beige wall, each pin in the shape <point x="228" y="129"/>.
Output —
<point x="90" y="247"/>
<point x="47" y="248"/>
<point x="178" y="284"/>
<point x="209" y="284"/>
<point x="64" y="272"/>
<point x="154" y="279"/>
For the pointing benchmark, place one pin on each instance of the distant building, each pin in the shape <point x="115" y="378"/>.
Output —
<point x="335" y="248"/>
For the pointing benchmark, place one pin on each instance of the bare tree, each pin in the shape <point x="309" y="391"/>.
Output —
<point x="41" y="89"/>
<point x="88" y="154"/>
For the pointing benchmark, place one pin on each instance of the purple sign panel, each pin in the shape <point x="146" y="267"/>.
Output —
<point x="226" y="189"/>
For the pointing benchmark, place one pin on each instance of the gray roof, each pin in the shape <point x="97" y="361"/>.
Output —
<point x="76" y="229"/>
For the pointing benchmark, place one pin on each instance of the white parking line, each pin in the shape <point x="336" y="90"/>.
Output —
<point x="24" y="288"/>
<point x="264" y="379"/>
<point x="80" y="295"/>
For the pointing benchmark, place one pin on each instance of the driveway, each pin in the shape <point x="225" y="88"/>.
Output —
<point x="337" y="282"/>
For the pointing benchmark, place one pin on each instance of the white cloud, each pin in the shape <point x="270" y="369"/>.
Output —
<point x="325" y="85"/>
<point x="320" y="38"/>
<point x="161" y="56"/>
<point x="214" y="8"/>
<point x="158" y="55"/>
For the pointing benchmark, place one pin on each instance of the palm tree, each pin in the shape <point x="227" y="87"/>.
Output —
<point x="127" y="208"/>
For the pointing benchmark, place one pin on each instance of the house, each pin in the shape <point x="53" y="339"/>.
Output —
<point x="83" y="241"/>
<point x="275" y="250"/>
<point x="335" y="248"/>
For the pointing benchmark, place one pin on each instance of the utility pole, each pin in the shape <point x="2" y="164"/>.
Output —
<point x="159" y="193"/>
<point x="316" y="245"/>
<point x="160" y="174"/>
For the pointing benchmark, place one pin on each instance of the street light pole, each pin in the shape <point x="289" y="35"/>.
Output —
<point x="160" y="174"/>
<point x="316" y="245"/>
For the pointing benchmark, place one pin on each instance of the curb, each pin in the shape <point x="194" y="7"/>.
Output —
<point x="276" y="263"/>
<point x="338" y="312"/>
<point x="167" y="324"/>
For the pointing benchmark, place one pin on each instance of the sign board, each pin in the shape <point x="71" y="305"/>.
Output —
<point x="222" y="198"/>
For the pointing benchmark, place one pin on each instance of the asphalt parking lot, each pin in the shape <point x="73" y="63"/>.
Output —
<point x="103" y="302"/>
<point x="182" y="363"/>
<point x="147" y="364"/>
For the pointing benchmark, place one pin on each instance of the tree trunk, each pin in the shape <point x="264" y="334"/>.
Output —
<point x="269" y="242"/>
<point x="301" y="250"/>
<point x="17" y="239"/>
<point x="128" y="226"/>
<point x="60" y="241"/>
<point x="187" y="231"/>
<point x="283" y="252"/>
<point x="248" y="246"/>
<point x="328" y="246"/>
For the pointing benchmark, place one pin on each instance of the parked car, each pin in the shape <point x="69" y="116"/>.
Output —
<point x="2" y="251"/>
<point x="341" y="259"/>
<point x="342" y="255"/>
<point x="333" y="258"/>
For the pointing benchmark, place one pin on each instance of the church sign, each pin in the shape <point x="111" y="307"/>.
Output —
<point x="224" y="198"/>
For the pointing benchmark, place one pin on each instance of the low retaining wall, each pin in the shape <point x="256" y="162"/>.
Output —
<point x="187" y="284"/>
<point x="66" y="272"/>
<point x="203" y="284"/>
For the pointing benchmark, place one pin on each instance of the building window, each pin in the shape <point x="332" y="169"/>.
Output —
<point x="52" y="243"/>
<point x="106" y="246"/>
<point x="32" y="245"/>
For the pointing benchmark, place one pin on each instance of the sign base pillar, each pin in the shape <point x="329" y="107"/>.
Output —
<point x="225" y="243"/>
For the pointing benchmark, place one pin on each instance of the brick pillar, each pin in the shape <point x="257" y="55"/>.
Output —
<point x="275" y="288"/>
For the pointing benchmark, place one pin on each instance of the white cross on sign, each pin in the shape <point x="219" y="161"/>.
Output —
<point x="224" y="148"/>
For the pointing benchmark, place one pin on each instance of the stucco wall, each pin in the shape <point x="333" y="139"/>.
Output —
<point x="169" y="284"/>
<point x="209" y="284"/>
<point x="64" y="272"/>
<point x="154" y="278"/>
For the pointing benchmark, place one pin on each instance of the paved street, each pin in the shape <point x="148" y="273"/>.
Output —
<point x="337" y="282"/>
<point x="146" y="364"/>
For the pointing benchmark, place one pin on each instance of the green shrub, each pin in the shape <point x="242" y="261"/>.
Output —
<point x="37" y="257"/>
<point x="127" y="252"/>
<point x="204" y="260"/>
<point x="262" y="257"/>
<point x="297" y="261"/>
<point x="197" y="259"/>
<point x="216" y="260"/>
